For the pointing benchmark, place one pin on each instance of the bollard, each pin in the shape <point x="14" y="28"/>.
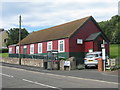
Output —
<point x="100" y="65"/>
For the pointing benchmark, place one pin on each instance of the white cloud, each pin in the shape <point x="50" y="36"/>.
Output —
<point x="41" y="13"/>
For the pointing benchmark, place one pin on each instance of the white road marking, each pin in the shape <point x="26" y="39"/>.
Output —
<point x="63" y="76"/>
<point x="93" y="80"/>
<point x="39" y="83"/>
<point x="81" y="78"/>
<point x="110" y="75"/>
<point x="6" y="75"/>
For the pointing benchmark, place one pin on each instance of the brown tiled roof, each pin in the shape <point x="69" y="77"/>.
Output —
<point x="53" y="33"/>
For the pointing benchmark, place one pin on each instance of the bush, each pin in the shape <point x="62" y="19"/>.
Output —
<point x="62" y="59"/>
<point x="80" y="67"/>
<point x="3" y="50"/>
<point x="115" y="68"/>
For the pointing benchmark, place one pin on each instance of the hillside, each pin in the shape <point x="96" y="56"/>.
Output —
<point x="111" y="28"/>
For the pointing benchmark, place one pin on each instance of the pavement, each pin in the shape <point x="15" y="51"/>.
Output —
<point x="111" y="76"/>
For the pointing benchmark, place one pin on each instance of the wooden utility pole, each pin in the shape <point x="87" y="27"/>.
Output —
<point x="20" y="40"/>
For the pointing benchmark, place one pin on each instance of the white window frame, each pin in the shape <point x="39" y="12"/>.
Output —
<point x="59" y="42"/>
<point x="40" y="46"/>
<point x="48" y="43"/>
<point x="10" y="50"/>
<point x="32" y="46"/>
<point x="17" y="49"/>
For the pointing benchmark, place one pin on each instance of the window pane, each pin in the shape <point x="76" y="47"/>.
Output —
<point x="32" y="49"/>
<point x="25" y="50"/>
<point x="40" y="48"/>
<point x="61" y="47"/>
<point x="49" y="46"/>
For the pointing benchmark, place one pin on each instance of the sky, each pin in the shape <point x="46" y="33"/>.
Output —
<point x="41" y="14"/>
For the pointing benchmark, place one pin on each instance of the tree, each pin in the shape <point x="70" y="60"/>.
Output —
<point x="111" y="29"/>
<point x="13" y="35"/>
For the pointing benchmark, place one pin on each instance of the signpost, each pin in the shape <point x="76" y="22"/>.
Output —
<point x="103" y="53"/>
<point x="66" y="63"/>
<point x="79" y="41"/>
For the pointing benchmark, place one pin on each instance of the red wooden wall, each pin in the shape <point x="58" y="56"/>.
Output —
<point x="88" y="45"/>
<point x="13" y="49"/>
<point x="83" y="33"/>
<point x="44" y="47"/>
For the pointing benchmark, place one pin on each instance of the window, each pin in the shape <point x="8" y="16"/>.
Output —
<point x="32" y="49"/>
<point x="61" y="47"/>
<point x="5" y="40"/>
<point x="25" y="49"/>
<point x="10" y="50"/>
<point x="39" y="47"/>
<point x="49" y="46"/>
<point x="17" y="49"/>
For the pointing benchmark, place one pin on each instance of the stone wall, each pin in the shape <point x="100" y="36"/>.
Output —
<point x="24" y="61"/>
<point x="40" y="63"/>
<point x="72" y="64"/>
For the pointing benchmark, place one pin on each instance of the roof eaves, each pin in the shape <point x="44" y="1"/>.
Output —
<point x="100" y="29"/>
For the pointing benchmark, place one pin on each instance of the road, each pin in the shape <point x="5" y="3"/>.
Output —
<point x="20" y="78"/>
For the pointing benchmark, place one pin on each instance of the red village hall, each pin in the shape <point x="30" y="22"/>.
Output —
<point x="72" y="39"/>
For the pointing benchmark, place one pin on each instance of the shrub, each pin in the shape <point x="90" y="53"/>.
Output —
<point x="3" y="50"/>
<point x="62" y="59"/>
<point x="80" y="66"/>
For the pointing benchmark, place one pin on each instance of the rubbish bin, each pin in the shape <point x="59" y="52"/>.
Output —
<point x="100" y="65"/>
<point x="45" y="65"/>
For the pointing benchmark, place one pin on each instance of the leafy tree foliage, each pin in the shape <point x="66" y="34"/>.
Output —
<point x="112" y="29"/>
<point x="13" y="35"/>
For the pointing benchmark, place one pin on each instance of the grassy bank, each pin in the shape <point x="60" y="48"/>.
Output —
<point x="3" y="54"/>
<point x="114" y="52"/>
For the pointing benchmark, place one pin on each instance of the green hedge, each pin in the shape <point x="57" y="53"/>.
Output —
<point x="3" y="50"/>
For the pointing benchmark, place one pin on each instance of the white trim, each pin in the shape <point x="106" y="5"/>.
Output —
<point x="32" y="46"/>
<point x="59" y="45"/>
<point x="48" y="46"/>
<point x="40" y="44"/>
<point x="25" y="46"/>
<point x="17" y="49"/>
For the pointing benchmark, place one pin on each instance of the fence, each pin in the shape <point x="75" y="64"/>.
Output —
<point x="28" y="56"/>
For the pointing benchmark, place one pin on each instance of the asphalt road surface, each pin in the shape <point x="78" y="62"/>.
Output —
<point x="20" y="78"/>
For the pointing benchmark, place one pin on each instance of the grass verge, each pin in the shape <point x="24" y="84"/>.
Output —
<point x="114" y="52"/>
<point x="4" y="54"/>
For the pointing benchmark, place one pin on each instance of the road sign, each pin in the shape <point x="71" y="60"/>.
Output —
<point x="66" y="63"/>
